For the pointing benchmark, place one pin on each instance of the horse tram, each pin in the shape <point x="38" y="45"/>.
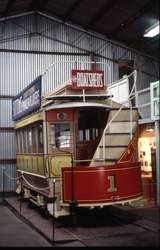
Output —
<point x="75" y="145"/>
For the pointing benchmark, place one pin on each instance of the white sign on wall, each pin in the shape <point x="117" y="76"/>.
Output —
<point x="155" y="99"/>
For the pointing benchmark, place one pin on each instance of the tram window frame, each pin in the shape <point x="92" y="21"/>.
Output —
<point x="29" y="139"/>
<point x="35" y="146"/>
<point x="53" y="141"/>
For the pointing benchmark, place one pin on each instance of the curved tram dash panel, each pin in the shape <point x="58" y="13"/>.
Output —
<point x="101" y="185"/>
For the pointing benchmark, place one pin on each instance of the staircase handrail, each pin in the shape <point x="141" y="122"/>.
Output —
<point x="134" y="73"/>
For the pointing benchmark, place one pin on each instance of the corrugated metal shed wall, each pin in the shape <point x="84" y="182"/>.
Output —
<point x="45" y="38"/>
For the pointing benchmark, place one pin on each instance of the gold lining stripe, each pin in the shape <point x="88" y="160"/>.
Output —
<point x="29" y="120"/>
<point x="102" y="201"/>
<point x="104" y="170"/>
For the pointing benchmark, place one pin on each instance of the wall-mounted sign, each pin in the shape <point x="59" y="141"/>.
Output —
<point x="28" y="100"/>
<point x="155" y="100"/>
<point x="87" y="79"/>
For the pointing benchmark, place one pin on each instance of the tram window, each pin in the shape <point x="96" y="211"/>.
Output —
<point x="60" y="135"/>
<point x="40" y="139"/>
<point x="96" y="132"/>
<point x="21" y="142"/>
<point x="26" y="140"/>
<point x="51" y="138"/>
<point x="87" y="134"/>
<point x="18" y="141"/>
<point x="87" y="124"/>
<point x="29" y="137"/>
<point x="81" y="135"/>
<point x="34" y="140"/>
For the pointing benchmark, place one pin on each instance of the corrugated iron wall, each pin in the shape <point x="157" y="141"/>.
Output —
<point x="29" y="45"/>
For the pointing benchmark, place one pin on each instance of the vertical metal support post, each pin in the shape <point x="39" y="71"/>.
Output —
<point x="53" y="218"/>
<point x="157" y="134"/>
<point x="75" y="64"/>
<point x="20" y="199"/>
<point x="83" y="91"/>
<point x="3" y="185"/>
<point x="103" y="142"/>
<point x="135" y="90"/>
<point x="72" y="181"/>
<point x="73" y="202"/>
<point x="131" y="120"/>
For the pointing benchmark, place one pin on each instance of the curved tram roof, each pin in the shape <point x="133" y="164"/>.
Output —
<point x="38" y="115"/>
<point x="78" y="105"/>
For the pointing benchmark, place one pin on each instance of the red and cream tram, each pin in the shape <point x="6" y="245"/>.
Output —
<point x="65" y="152"/>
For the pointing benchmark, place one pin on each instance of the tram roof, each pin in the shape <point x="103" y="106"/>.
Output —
<point x="74" y="97"/>
<point x="78" y="105"/>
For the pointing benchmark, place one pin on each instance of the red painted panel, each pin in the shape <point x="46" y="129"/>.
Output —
<point x="91" y="185"/>
<point x="60" y="115"/>
<point x="131" y="153"/>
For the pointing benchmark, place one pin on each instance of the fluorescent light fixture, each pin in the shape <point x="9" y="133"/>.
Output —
<point x="152" y="31"/>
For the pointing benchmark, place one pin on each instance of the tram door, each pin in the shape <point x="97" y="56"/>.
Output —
<point x="60" y="140"/>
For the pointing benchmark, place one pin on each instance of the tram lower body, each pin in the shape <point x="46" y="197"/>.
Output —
<point x="82" y="186"/>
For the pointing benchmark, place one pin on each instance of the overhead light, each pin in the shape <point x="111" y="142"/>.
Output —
<point x="150" y="127"/>
<point x="152" y="31"/>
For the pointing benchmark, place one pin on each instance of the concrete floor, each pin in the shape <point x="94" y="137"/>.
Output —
<point x="15" y="233"/>
<point x="92" y="229"/>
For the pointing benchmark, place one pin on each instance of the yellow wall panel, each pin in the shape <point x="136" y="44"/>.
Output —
<point x="41" y="165"/>
<point x="58" y="162"/>
<point x="35" y="164"/>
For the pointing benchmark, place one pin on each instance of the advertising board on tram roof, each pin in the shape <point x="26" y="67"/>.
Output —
<point x="28" y="100"/>
<point x="87" y="79"/>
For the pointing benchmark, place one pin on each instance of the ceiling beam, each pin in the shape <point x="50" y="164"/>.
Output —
<point x="71" y="9"/>
<point x="142" y="11"/>
<point x="101" y="12"/>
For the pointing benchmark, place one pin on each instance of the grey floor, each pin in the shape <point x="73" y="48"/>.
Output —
<point x="97" y="231"/>
<point x="15" y="233"/>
